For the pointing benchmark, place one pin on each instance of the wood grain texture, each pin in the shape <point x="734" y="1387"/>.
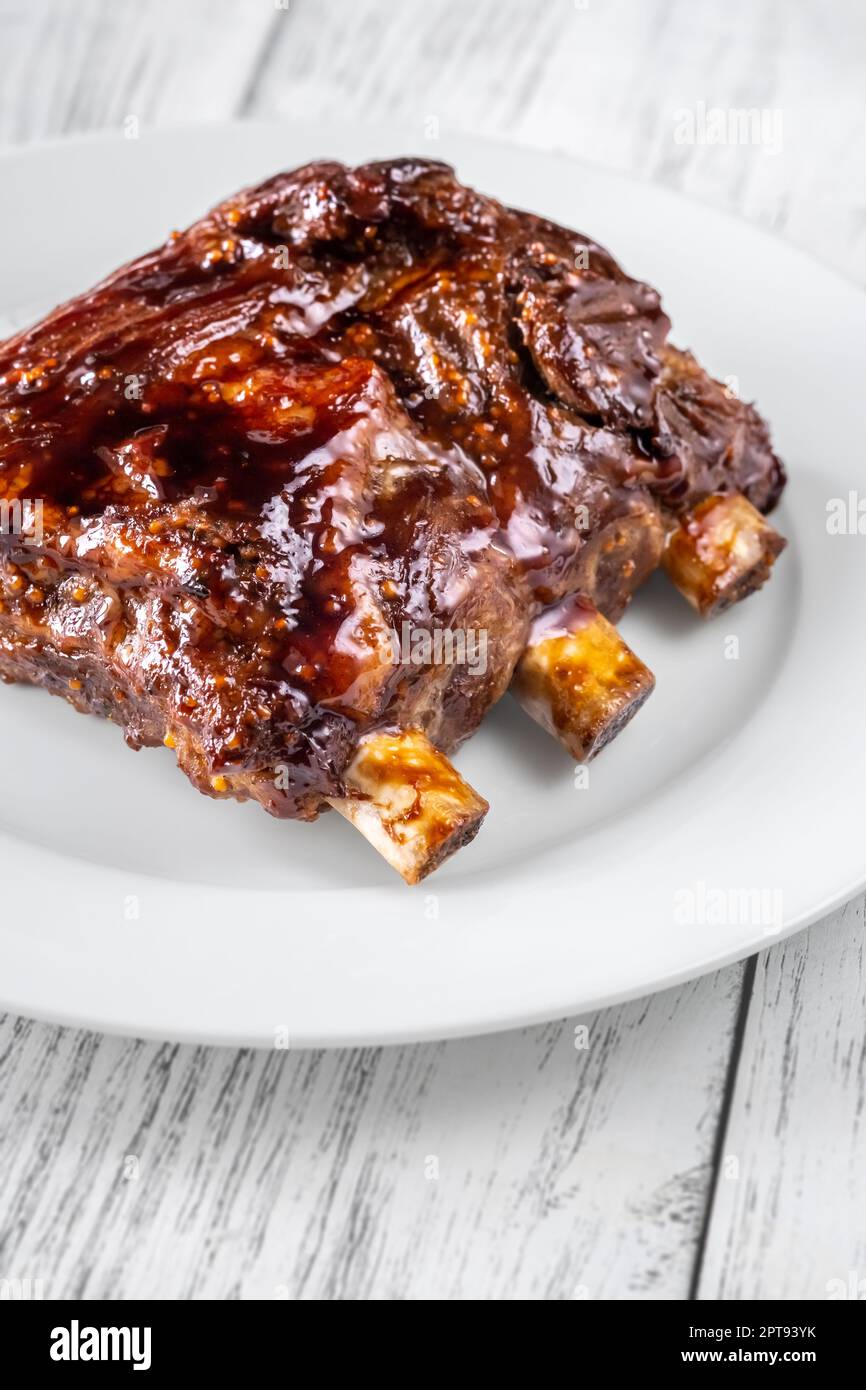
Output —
<point x="92" y="64"/>
<point x="788" y="1216"/>
<point x="131" y="1169"/>
<point x="552" y="1163"/>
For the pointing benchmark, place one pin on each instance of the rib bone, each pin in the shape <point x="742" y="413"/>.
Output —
<point x="720" y="552"/>
<point x="409" y="802"/>
<point x="578" y="679"/>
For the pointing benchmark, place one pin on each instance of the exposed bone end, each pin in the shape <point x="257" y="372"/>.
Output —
<point x="409" y="802"/>
<point x="578" y="679"/>
<point x="720" y="552"/>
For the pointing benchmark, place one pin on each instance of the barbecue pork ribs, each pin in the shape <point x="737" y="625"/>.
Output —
<point x="348" y="407"/>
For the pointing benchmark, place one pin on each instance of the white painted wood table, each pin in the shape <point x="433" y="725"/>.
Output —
<point x="708" y="1141"/>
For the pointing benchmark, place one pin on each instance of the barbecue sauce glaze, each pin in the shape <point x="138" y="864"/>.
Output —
<point x="343" y="401"/>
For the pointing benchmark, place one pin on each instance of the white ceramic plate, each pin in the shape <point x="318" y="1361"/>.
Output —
<point x="726" y="815"/>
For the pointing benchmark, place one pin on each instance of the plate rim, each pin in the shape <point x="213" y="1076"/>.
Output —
<point x="509" y="1020"/>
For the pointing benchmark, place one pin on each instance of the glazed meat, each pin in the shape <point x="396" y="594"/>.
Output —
<point x="346" y="409"/>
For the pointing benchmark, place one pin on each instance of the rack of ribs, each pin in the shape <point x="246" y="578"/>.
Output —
<point x="349" y="409"/>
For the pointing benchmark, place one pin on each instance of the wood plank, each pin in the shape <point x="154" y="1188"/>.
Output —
<point x="515" y="1166"/>
<point x="95" y="64"/>
<point x="787" y="1218"/>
